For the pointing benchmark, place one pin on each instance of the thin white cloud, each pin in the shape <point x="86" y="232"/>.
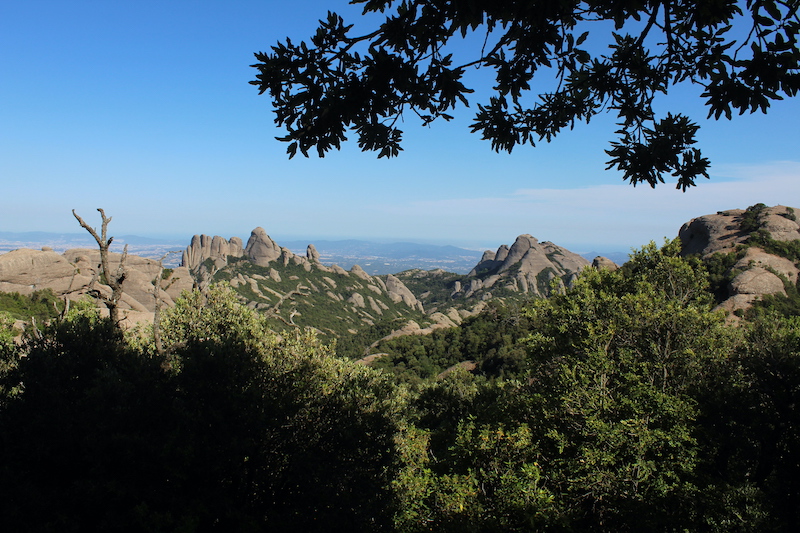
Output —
<point x="605" y="214"/>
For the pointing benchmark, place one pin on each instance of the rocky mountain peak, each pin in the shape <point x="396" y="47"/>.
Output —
<point x="488" y="255"/>
<point x="399" y="292"/>
<point x="601" y="262"/>
<point x="312" y="254"/>
<point x="521" y="247"/>
<point x="502" y="253"/>
<point x="216" y="248"/>
<point x="261" y="249"/>
<point x="527" y="266"/>
<point x="358" y="272"/>
<point x="363" y="299"/>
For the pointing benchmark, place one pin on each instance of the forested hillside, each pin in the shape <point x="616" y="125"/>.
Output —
<point x="333" y="301"/>
<point x="623" y="402"/>
<point x="358" y="310"/>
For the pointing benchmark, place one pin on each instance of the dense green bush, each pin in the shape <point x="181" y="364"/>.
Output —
<point x="751" y="218"/>
<point x="639" y="410"/>
<point x="622" y="404"/>
<point x="489" y="339"/>
<point x="42" y="305"/>
<point x="234" y="429"/>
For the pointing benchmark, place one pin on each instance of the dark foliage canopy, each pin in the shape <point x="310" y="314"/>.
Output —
<point x="744" y="54"/>
<point x="623" y="403"/>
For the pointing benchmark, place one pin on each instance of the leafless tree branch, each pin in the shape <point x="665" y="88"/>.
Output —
<point x="115" y="280"/>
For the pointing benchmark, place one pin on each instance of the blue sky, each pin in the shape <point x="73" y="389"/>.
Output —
<point x="144" y="109"/>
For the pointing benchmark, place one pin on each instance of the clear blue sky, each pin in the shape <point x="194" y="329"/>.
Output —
<point x="144" y="109"/>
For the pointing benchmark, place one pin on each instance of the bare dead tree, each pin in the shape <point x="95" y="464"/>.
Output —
<point x="63" y="314"/>
<point x="34" y="329"/>
<point x="113" y="279"/>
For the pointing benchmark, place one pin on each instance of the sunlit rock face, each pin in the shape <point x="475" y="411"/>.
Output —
<point x="261" y="249"/>
<point x="527" y="266"/>
<point x="216" y="248"/>
<point x="758" y="273"/>
<point x="76" y="271"/>
<point x="722" y="231"/>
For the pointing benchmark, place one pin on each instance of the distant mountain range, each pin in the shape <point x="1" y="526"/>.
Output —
<point x="390" y="258"/>
<point x="43" y="237"/>
<point x="375" y="258"/>
<point x="618" y="257"/>
<point x="422" y="287"/>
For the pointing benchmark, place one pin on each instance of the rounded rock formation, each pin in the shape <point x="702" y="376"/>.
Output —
<point x="261" y="249"/>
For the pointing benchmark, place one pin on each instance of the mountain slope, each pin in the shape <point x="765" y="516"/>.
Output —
<point x="300" y="291"/>
<point x="524" y="270"/>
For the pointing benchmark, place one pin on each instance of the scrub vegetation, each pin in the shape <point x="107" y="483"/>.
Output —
<point x="624" y="403"/>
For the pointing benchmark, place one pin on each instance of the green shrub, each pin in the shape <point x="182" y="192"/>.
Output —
<point x="750" y="219"/>
<point x="42" y="305"/>
<point x="721" y="272"/>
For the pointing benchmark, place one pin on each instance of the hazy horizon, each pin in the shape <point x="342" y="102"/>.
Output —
<point x="294" y="240"/>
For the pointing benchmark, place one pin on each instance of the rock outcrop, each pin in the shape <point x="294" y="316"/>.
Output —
<point x="367" y="298"/>
<point x="527" y="266"/>
<point x="601" y="262"/>
<point x="358" y="272"/>
<point x="709" y="234"/>
<point x="756" y="257"/>
<point x="399" y="292"/>
<point x="71" y="274"/>
<point x="312" y="254"/>
<point x="26" y="270"/>
<point x="712" y="233"/>
<point x="261" y="249"/>
<point x="756" y="273"/>
<point x="216" y="248"/>
<point x="757" y="281"/>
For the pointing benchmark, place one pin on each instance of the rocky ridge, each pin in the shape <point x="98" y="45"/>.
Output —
<point x="524" y="270"/>
<point x="268" y="276"/>
<point x="723" y="231"/>
<point x="297" y="290"/>
<point x="301" y="291"/>
<point x="70" y="275"/>
<point x="756" y="272"/>
<point x="527" y="267"/>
